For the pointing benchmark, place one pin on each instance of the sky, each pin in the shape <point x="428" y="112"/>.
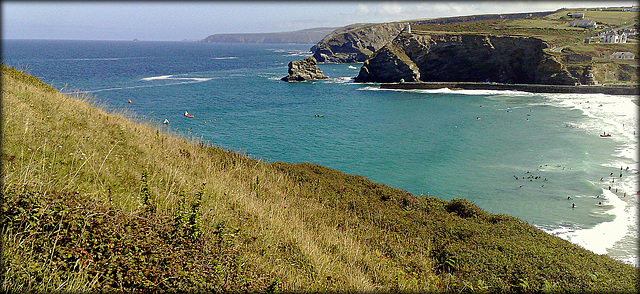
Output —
<point x="185" y="20"/>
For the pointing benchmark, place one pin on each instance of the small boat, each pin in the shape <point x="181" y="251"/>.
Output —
<point x="166" y="121"/>
<point x="187" y="114"/>
<point x="605" y="135"/>
<point x="129" y="101"/>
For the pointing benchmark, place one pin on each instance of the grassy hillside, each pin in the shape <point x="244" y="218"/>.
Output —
<point x="96" y="201"/>
<point x="553" y="28"/>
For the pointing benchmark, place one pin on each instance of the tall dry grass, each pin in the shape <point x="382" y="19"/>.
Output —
<point x="86" y="189"/>
<point x="55" y="144"/>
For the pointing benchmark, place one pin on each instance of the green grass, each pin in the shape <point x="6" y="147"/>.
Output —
<point x="97" y="201"/>
<point x="554" y="28"/>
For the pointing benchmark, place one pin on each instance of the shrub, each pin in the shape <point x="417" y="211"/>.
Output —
<point x="465" y="209"/>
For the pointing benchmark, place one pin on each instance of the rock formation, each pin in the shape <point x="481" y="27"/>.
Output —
<point x="357" y="42"/>
<point x="302" y="70"/>
<point x="449" y="57"/>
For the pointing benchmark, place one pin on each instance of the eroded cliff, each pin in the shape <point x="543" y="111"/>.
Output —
<point x="448" y="57"/>
<point x="355" y="43"/>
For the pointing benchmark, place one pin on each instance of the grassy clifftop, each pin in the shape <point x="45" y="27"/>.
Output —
<point x="95" y="201"/>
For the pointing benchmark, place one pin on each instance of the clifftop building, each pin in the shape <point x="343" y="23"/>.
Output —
<point x="583" y="23"/>
<point x="615" y="37"/>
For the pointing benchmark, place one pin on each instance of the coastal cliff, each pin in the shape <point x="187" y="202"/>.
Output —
<point x="308" y="36"/>
<point x="447" y="57"/>
<point x="358" y="42"/>
<point x="355" y="43"/>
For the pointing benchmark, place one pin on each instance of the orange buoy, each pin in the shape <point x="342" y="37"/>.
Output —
<point x="129" y="101"/>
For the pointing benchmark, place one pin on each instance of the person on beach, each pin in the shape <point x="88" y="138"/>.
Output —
<point x="573" y="205"/>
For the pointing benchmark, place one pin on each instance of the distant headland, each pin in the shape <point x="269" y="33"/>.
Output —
<point x="308" y="36"/>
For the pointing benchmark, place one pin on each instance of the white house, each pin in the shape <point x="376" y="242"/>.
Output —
<point x="583" y="23"/>
<point x="622" y="55"/>
<point x="615" y="37"/>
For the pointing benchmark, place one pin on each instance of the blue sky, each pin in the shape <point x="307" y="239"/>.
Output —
<point x="180" y="20"/>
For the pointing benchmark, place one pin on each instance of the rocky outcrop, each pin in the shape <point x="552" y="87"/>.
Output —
<point x="447" y="57"/>
<point x="357" y="42"/>
<point x="303" y="70"/>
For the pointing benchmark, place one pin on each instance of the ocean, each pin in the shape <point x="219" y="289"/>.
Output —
<point x="532" y="156"/>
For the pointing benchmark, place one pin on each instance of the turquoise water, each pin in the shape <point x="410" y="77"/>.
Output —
<point x="442" y="143"/>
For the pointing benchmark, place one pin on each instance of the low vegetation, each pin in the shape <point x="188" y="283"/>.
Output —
<point x="98" y="201"/>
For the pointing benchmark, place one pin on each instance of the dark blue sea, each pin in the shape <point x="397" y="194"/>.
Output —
<point x="514" y="153"/>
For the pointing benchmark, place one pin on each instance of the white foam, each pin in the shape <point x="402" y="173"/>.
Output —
<point x="510" y="93"/>
<point x="603" y="235"/>
<point x="618" y="116"/>
<point x="352" y="67"/>
<point x="170" y="77"/>
<point x="157" y="78"/>
<point x="340" y="80"/>
<point x="371" y="88"/>
<point x="225" y="58"/>
<point x="303" y="54"/>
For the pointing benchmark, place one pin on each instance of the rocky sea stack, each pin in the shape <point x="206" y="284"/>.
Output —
<point x="303" y="70"/>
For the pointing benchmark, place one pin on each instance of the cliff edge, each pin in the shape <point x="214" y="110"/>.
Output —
<point x="459" y="57"/>
<point x="358" y="42"/>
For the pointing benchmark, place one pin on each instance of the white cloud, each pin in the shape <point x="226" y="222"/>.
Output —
<point x="389" y="9"/>
<point x="362" y="9"/>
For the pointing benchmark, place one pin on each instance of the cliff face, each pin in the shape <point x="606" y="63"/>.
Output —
<point x="355" y="43"/>
<point x="464" y="58"/>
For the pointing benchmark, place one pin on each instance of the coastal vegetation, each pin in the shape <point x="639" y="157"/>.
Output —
<point x="99" y="200"/>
